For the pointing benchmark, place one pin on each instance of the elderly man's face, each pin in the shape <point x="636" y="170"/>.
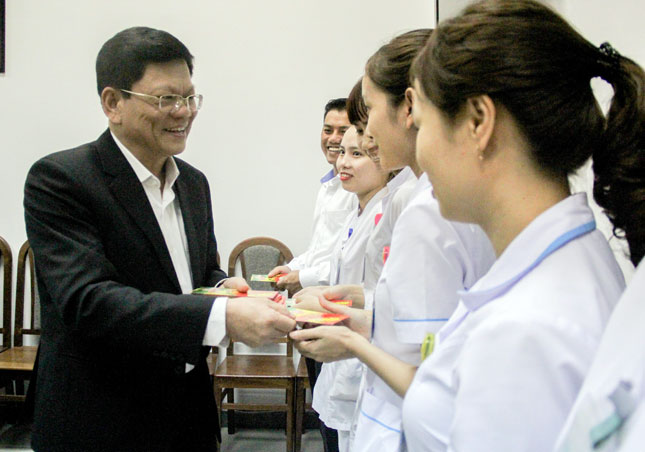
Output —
<point x="148" y="132"/>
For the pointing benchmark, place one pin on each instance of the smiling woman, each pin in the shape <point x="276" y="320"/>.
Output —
<point x="358" y="173"/>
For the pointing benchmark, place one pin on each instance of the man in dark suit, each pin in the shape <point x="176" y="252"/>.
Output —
<point x="122" y="231"/>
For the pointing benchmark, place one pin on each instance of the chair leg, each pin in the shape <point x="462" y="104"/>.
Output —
<point x="286" y="402"/>
<point x="230" y="397"/>
<point x="299" y="410"/>
<point x="290" y="417"/>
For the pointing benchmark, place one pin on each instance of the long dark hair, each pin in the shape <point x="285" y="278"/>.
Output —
<point x="356" y="109"/>
<point x="530" y="60"/>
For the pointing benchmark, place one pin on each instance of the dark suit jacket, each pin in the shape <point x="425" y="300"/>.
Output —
<point x="116" y="331"/>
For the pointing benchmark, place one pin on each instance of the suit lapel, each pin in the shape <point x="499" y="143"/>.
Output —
<point x="128" y="191"/>
<point x="188" y="200"/>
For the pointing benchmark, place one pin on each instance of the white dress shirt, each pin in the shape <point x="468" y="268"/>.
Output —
<point x="609" y="413"/>
<point x="167" y="211"/>
<point x="333" y="206"/>
<point x="430" y="260"/>
<point x="512" y="357"/>
<point x="336" y="387"/>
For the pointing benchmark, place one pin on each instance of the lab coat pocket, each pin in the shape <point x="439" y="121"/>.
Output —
<point x="347" y="380"/>
<point x="379" y="426"/>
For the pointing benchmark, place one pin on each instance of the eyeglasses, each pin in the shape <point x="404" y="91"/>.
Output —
<point x="170" y="103"/>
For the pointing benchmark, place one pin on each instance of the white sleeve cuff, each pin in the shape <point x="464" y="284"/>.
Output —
<point x="215" y="335"/>
<point x="310" y="276"/>
<point x="296" y="263"/>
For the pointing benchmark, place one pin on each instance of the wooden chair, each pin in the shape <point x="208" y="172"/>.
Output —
<point x="302" y="384"/>
<point x="7" y="267"/>
<point x="274" y="371"/>
<point x="17" y="363"/>
<point x="258" y="255"/>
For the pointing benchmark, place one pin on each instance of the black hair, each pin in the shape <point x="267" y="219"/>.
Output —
<point x="389" y="67"/>
<point x="123" y="58"/>
<point x="339" y="104"/>
<point x="356" y="109"/>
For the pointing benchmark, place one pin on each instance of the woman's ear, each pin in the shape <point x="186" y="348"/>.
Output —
<point x="111" y="100"/>
<point x="408" y="105"/>
<point x="481" y="116"/>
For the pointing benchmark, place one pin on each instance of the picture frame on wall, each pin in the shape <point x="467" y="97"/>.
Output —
<point x="2" y="34"/>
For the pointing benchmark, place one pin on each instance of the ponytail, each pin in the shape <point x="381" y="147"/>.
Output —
<point x="619" y="164"/>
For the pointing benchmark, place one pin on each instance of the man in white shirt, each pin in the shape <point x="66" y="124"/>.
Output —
<point x="122" y="232"/>
<point x="333" y="206"/>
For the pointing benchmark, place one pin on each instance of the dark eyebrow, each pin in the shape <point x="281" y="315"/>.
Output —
<point x="169" y="91"/>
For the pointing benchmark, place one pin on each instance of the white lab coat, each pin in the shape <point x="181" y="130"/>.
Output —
<point x="512" y="357"/>
<point x="335" y="394"/>
<point x="333" y="206"/>
<point x="611" y="403"/>
<point x="430" y="260"/>
<point x="399" y="191"/>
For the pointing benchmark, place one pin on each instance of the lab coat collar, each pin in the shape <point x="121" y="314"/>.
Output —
<point x="423" y="183"/>
<point x="568" y="219"/>
<point x="402" y="177"/>
<point x="397" y="182"/>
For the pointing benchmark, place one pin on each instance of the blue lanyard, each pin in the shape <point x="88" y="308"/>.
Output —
<point x="554" y="246"/>
<point x="498" y="290"/>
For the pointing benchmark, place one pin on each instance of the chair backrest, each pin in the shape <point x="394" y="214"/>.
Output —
<point x="258" y="255"/>
<point x="29" y="311"/>
<point x="7" y="267"/>
<point x="230" y="350"/>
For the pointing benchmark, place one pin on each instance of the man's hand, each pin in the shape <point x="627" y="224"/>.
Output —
<point x="236" y="282"/>
<point x="290" y="282"/>
<point x="280" y="269"/>
<point x="257" y="321"/>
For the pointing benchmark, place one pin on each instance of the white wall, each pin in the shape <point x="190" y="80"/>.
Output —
<point x="266" y="70"/>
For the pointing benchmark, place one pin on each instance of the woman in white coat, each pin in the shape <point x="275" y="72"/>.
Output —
<point x="359" y="174"/>
<point x="505" y="112"/>
<point x="609" y="413"/>
<point x="429" y="259"/>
